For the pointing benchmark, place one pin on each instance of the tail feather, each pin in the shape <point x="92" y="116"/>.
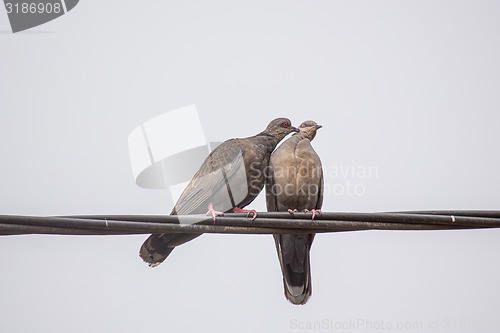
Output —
<point x="157" y="247"/>
<point x="293" y="254"/>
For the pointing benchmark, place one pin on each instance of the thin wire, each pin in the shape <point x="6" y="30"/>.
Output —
<point x="238" y="223"/>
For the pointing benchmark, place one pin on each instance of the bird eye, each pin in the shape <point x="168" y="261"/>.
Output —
<point x="285" y="125"/>
<point x="303" y="125"/>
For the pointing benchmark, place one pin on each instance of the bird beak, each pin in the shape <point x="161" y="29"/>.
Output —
<point x="295" y="129"/>
<point x="319" y="126"/>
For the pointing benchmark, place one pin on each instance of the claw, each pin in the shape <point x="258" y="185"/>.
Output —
<point x="313" y="211"/>
<point x="213" y="212"/>
<point x="292" y="211"/>
<point x="248" y="211"/>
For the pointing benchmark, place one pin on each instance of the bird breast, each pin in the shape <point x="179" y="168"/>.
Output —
<point x="297" y="175"/>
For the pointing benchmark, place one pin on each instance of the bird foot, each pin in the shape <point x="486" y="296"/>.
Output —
<point x="248" y="211"/>
<point x="213" y="212"/>
<point x="313" y="211"/>
<point x="292" y="211"/>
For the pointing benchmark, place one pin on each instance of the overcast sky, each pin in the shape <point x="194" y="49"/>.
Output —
<point x="407" y="89"/>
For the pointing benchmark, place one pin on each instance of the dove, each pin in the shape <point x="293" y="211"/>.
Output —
<point x="229" y="179"/>
<point x="295" y="183"/>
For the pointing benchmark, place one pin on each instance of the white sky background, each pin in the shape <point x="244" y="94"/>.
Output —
<point x="411" y="87"/>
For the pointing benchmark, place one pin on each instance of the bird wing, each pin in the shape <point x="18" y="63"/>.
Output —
<point x="319" y="203"/>
<point x="222" y="164"/>
<point x="271" y="198"/>
<point x="222" y="167"/>
<point x="321" y="185"/>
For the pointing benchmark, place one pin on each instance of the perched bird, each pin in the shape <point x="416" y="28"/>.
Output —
<point x="230" y="178"/>
<point x="295" y="183"/>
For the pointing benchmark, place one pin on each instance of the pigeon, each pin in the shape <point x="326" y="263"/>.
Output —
<point x="229" y="179"/>
<point x="295" y="183"/>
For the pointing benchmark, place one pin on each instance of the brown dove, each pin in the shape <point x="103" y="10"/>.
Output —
<point x="229" y="179"/>
<point x="295" y="183"/>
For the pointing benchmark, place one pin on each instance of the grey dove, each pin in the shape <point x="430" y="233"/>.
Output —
<point x="295" y="183"/>
<point x="229" y="179"/>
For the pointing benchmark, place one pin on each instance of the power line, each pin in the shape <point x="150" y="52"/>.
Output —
<point x="238" y="223"/>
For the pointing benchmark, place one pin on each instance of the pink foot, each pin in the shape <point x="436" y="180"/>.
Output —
<point x="292" y="211"/>
<point x="314" y="211"/>
<point x="213" y="212"/>
<point x="248" y="211"/>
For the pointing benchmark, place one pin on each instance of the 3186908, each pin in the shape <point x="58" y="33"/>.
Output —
<point x="33" y="8"/>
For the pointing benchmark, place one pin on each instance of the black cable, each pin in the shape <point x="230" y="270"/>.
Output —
<point x="238" y="223"/>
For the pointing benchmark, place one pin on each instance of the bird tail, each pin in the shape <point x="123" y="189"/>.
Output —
<point x="158" y="246"/>
<point x="293" y="254"/>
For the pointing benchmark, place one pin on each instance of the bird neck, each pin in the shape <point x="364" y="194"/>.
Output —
<point x="270" y="140"/>
<point x="305" y="135"/>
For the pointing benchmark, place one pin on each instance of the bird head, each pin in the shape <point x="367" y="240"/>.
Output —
<point x="280" y="127"/>
<point x="309" y="128"/>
